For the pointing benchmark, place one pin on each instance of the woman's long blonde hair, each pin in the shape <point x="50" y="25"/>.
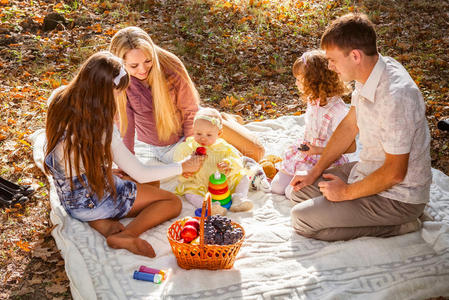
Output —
<point x="81" y="116"/>
<point x="165" y="111"/>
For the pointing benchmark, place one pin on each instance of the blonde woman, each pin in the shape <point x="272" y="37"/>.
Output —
<point x="162" y="100"/>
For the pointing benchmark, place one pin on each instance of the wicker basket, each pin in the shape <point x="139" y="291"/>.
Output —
<point x="202" y="256"/>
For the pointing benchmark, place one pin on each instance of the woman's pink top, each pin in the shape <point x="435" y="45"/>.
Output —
<point x="140" y="111"/>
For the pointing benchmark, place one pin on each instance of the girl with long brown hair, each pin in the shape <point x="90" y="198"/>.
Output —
<point x="161" y="101"/>
<point x="321" y="89"/>
<point x="82" y="145"/>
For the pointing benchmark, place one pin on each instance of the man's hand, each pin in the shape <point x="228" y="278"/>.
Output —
<point x="302" y="179"/>
<point x="224" y="167"/>
<point x="333" y="189"/>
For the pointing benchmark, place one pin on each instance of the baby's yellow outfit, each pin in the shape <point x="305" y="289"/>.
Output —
<point x="218" y="152"/>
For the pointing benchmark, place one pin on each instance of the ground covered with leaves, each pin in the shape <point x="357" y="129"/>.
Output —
<point x="238" y="52"/>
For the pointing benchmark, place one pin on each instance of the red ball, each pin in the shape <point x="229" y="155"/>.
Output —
<point x="189" y="233"/>
<point x="193" y="222"/>
<point x="200" y="151"/>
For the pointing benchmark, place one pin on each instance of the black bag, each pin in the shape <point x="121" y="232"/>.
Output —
<point x="11" y="193"/>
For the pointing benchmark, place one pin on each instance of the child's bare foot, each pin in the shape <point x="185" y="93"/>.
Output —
<point x="107" y="226"/>
<point x="217" y="209"/>
<point x="123" y="240"/>
<point x="243" y="206"/>
<point x="240" y="203"/>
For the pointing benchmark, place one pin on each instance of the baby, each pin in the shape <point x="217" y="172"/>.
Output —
<point x="221" y="156"/>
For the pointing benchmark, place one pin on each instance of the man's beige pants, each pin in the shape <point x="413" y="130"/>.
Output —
<point x="316" y="217"/>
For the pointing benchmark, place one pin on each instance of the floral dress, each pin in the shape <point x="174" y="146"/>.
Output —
<point x="321" y="121"/>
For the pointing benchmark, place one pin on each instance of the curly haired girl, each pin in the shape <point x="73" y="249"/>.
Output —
<point x="321" y="88"/>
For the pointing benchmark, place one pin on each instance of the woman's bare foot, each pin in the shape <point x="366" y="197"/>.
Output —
<point x="233" y="118"/>
<point x="107" y="226"/>
<point x="123" y="240"/>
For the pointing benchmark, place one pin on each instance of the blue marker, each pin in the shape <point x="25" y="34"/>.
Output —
<point x="156" y="278"/>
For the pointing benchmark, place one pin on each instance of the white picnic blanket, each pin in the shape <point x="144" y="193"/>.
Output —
<point x="274" y="262"/>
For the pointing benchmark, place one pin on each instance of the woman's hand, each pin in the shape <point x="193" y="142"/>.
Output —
<point x="192" y="164"/>
<point x="224" y="167"/>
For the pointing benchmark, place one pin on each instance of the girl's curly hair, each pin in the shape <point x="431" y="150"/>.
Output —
<point x="317" y="80"/>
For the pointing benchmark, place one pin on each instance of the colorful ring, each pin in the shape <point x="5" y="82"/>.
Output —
<point x="218" y="186"/>
<point x="225" y="201"/>
<point x="218" y="192"/>
<point x="198" y="212"/>
<point x="228" y="205"/>
<point x="222" y="196"/>
<point x="217" y="181"/>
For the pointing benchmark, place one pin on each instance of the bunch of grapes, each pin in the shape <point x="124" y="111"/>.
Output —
<point x="218" y="230"/>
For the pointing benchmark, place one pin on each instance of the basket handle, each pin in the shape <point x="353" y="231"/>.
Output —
<point x="206" y="202"/>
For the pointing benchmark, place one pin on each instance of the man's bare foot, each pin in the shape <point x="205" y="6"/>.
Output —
<point x="107" y="226"/>
<point x="123" y="240"/>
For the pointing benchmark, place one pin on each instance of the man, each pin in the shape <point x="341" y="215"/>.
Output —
<point x="386" y="191"/>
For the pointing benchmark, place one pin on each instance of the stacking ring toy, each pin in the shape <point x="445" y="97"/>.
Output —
<point x="224" y="201"/>
<point x="222" y="196"/>
<point x="218" y="192"/>
<point x="218" y="186"/>
<point x="217" y="178"/>
<point x="228" y="205"/>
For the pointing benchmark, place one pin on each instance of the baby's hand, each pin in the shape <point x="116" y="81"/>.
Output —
<point x="193" y="163"/>
<point x="224" y="167"/>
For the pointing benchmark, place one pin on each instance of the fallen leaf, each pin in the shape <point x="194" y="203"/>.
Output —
<point x="56" y="289"/>
<point x="42" y="253"/>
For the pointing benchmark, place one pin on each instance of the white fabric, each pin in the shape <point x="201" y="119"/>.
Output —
<point x="126" y="161"/>
<point x="274" y="262"/>
<point x="391" y="119"/>
<point x="147" y="153"/>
